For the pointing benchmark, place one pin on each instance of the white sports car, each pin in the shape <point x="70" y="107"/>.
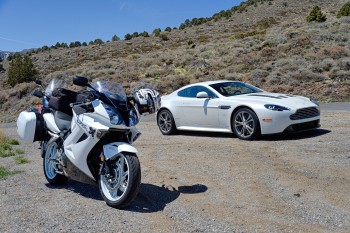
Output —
<point x="227" y="106"/>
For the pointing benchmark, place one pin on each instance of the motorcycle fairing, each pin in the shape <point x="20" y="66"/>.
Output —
<point x="112" y="149"/>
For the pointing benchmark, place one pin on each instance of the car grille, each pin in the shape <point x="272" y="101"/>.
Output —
<point x="305" y="113"/>
<point x="303" y="126"/>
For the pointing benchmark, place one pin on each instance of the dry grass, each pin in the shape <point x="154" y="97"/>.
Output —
<point x="283" y="53"/>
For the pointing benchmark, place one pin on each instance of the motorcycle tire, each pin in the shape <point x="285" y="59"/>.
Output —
<point x="120" y="189"/>
<point x="50" y="166"/>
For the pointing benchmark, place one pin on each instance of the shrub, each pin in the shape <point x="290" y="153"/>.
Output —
<point x="21" y="70"/>
<point x="135" y="34"/>
<point x="144" y="34"/>
<point x="98" y="41"/>
<point x="344" y="10"/>
<point x="115" y="38"/>
<point x="316" y="15"/>
<point x="168" y="29"/>
<point x="156" y="32"/>
<point x="128" y="37"/>
<point x="164" y="37"/>
<point x="1" y="68"/>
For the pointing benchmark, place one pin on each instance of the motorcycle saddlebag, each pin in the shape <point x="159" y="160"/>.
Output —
<point x="60" y="100"/>
<point x="31" y="126"/>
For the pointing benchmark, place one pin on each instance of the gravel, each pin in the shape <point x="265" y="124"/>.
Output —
<point x="199" y="182"/>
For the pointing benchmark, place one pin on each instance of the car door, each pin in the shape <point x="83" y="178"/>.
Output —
<point x="199" y="112"/>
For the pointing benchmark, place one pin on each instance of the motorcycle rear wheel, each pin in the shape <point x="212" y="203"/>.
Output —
<point x="50" y="166"/>
<point x="121" y="188"/>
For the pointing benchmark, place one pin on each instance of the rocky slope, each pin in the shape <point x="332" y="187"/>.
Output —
<point x="269" y="44"/>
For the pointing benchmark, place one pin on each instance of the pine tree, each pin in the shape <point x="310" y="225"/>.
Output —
<point x="316" y="15"/>
<point x="115" y="38"/>
<point x="344" y="10"/>
<point x="21" y="70"/>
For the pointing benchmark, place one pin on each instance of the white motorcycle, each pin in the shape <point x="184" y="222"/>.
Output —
<point x="87" y="136"/>
<point x="146" y="100"/>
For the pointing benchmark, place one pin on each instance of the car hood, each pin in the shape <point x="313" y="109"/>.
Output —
<point x="289" y="101"/>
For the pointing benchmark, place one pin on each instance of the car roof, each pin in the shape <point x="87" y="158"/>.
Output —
<point x="207" y="83"/>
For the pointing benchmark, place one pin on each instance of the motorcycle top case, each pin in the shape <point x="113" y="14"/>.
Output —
<point x="31" y="126"/>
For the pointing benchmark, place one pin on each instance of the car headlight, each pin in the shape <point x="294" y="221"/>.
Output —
<point x="114" y="116"/>
<point x="274" y="107"/>
<point x="314" y="101"/>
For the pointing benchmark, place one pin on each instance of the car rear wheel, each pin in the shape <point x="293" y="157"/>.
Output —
<point x="166" y="122"/>
<point x="245" y="124"/>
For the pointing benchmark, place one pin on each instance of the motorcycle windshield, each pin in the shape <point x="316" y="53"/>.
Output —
<point x="53" y="84"/>
<point x="113" y="91"/>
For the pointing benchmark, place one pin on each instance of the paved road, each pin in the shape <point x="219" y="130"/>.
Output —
<point x="345" y="106"/>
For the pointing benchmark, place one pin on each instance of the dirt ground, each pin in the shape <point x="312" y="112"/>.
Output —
<point x="200" y="182"/>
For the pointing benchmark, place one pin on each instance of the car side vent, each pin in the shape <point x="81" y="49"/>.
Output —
<point x="305" y="113"/>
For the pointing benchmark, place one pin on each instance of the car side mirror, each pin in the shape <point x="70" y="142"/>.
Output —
<point x="202" y="95"/>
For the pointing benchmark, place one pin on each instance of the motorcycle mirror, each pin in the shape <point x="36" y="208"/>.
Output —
<point x="81" y="81"/>
<point x="39" y="82"/>
<point x="38" y="93"/>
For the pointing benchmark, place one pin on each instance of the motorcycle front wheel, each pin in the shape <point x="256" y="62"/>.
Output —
<point x="120" y="185"/>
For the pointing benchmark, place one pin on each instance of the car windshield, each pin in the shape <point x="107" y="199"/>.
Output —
<point x="234" y="88"/>
<point x="112" y="90"/>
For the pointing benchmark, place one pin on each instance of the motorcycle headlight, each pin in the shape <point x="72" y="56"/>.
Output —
<point x="134" y="117"/>
<point x="314" y="101"/>
<point x="274" y="107"/>
<point x="114" y="115"/>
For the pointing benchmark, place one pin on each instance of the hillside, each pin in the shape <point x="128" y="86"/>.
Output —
<point x="269" y="44"/>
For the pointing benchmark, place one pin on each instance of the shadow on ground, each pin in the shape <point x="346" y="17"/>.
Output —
<point x="152" y="198"/>
<point x="296" y="136"/>
<point x="85" y="190"/>
<point x="275" y="137"/>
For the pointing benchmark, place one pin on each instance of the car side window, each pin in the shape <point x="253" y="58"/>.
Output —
<point x="191" y="92"/>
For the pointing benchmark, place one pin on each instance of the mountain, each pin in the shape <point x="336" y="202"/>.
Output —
<point x="267" y="43"/>
<point x="4" y="54"/>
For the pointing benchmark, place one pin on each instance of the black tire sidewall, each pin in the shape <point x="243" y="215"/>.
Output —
<point x="133" y="186"/>
<point x="173" y="126"/>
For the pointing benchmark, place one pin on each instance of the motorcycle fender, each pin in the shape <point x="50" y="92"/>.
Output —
<point x="112" y="149"/>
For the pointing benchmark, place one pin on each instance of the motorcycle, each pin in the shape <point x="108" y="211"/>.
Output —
<point x="87" y="136"/>
<point x="146" y="100"/>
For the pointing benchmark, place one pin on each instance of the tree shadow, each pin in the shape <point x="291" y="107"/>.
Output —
<point x="152" y="198"/>
<point x="85" y="190"/>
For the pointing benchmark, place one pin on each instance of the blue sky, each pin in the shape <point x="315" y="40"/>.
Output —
<point x="35" y="23"/>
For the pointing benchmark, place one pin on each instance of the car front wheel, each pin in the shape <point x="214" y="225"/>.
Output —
<point x="245" y="124"/>
<point x="166" y="122"/>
